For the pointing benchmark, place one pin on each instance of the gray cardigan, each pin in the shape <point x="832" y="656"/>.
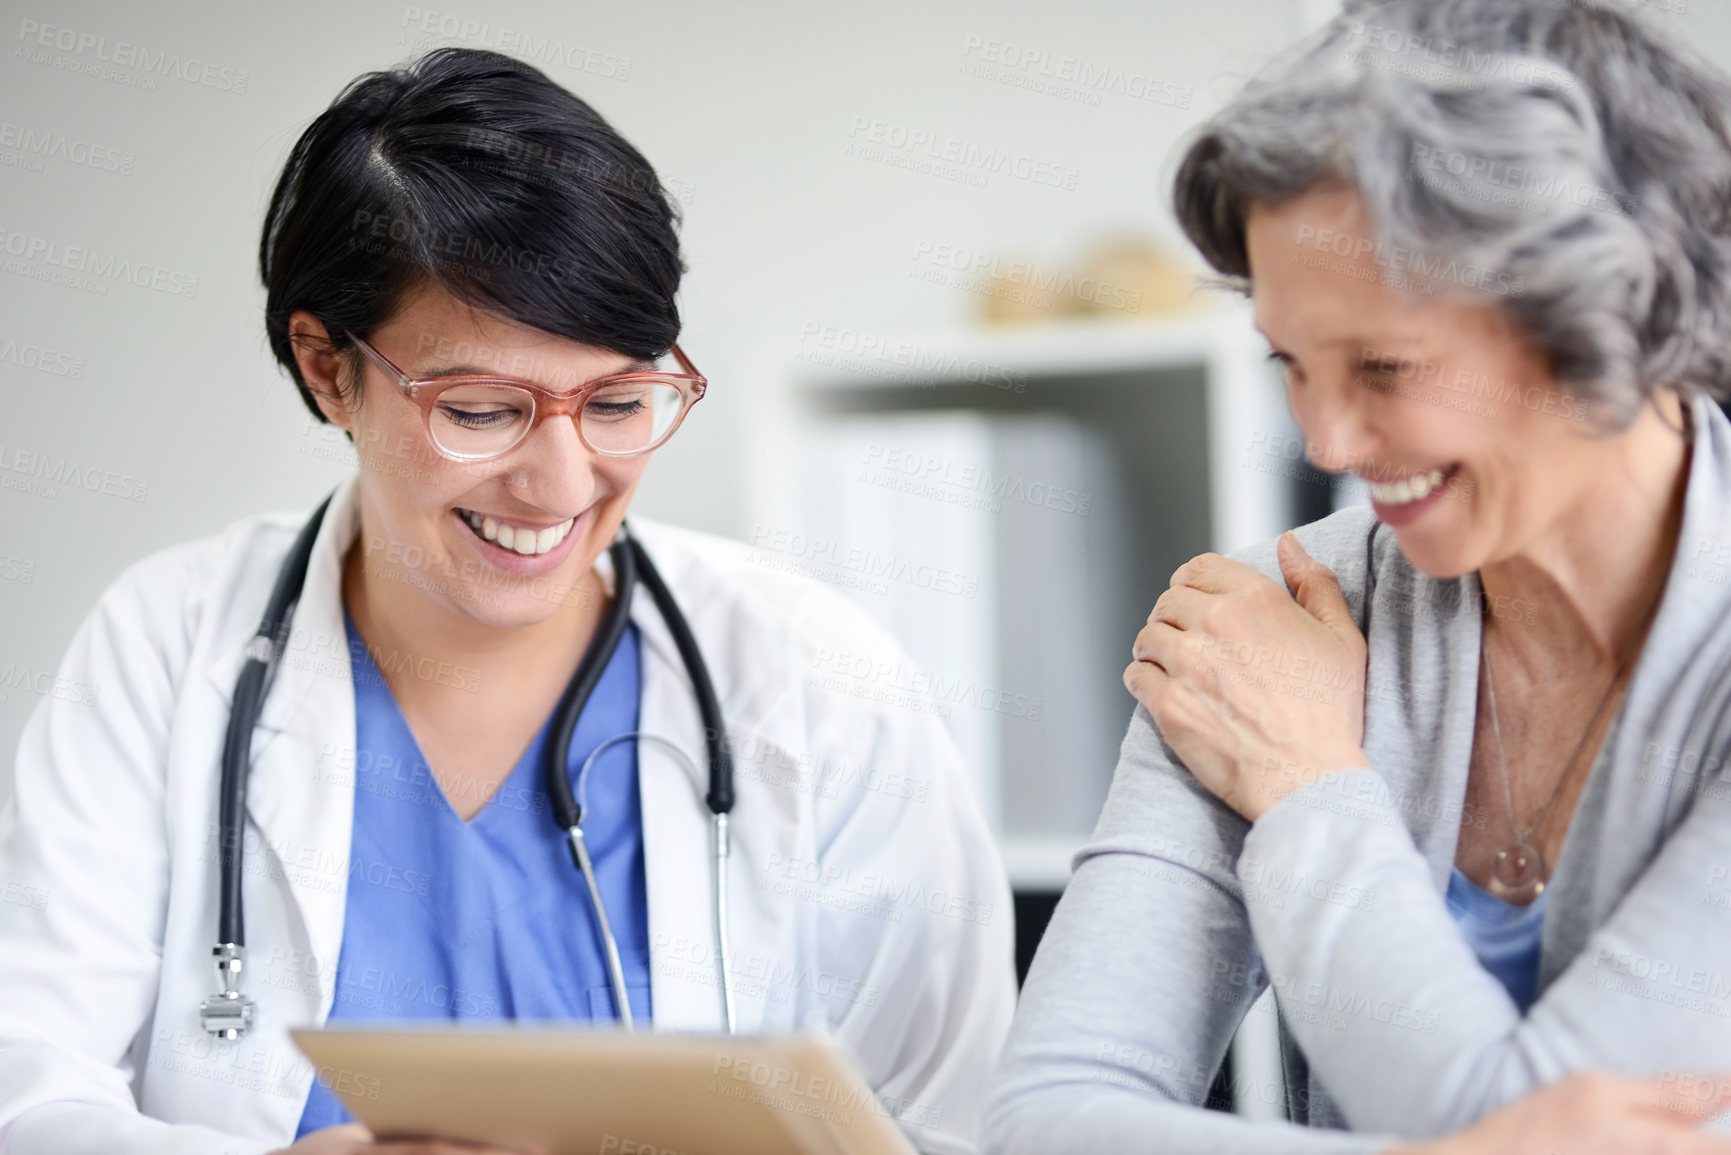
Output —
<point x="1180" y="913"/>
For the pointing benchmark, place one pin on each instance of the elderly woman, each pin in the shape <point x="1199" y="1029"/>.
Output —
<point x="1487" y="240"/>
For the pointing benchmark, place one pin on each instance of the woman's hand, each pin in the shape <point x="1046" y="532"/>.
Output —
<point x="354" y="1139"/>
<point x="1597" y="1115"/>
<point x="1257" y="691"/>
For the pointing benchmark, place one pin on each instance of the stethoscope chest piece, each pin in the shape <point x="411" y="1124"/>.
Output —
<point x="228" y="1013"/>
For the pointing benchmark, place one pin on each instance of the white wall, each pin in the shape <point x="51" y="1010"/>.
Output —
<point x="748" y="108"/>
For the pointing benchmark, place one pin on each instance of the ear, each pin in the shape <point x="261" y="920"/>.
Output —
<point x="322" y="368"/>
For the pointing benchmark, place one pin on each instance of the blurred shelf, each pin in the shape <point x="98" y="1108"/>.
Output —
<point x="1059" y="349"/>
<point x="836" y="371"/>
<point x="1177" y="428"/>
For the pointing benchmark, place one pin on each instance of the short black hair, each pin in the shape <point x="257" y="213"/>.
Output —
<point x="474" y="171"/>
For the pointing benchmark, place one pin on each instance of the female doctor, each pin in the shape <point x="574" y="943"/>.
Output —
<point x="458" y="219"/>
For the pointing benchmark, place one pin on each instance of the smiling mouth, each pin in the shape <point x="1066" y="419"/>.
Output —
<point x="1415" y="487"/>
<point x="523" y="539"/>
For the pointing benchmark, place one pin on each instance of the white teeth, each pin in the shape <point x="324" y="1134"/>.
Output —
<point x="519" y="539"/>
<point x="1407" y="488"/>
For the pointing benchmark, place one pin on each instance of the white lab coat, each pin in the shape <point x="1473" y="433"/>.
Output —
<point x="866" y="896"/>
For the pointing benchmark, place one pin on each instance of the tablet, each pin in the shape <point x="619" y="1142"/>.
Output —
<point x="605" y="1092"/>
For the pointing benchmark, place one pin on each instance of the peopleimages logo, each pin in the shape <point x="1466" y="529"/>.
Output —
<point x="927" y="470"/>
<point x="424" y="27"/>
<point x="28" y="355"/>
<point x="42" y="473"/>
<point x="833" y="346"/>
<point x="1061" y="75"/>
<point x="374" y="233"/>
<point x="1407" y="267"/>
<point x="40" y="144"/>
<point x="1402" y="51"/>
<point x="977" y="271"/>
<point x="866" y="563"/>
<point x="1494" y="179"/>
<point x="92" y="266"/>
<point x="88" y="46"/>
<point x="940" y="154"/>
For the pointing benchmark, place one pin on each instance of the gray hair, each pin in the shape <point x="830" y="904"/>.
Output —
<point x="1558" y="157"/>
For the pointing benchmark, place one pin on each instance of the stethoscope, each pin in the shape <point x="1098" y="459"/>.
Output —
<point x="228" y="1013"/>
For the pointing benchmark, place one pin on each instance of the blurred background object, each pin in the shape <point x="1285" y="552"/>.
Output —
<point x="1010" y="502"/>
<point x="1127" y="278"/>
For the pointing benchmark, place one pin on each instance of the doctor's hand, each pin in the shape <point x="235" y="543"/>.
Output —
<point x="1257" y="691"/>
<point x="354" y="1139"/>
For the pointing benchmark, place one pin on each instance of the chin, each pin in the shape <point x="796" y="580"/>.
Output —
<point x="524" y="600"/>
<point x="508" y="610"/>
<point x="1443" y="560"/>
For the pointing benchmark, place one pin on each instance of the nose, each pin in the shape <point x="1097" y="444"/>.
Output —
<point x="1336" y="437"/>
<point x="551" y="468"/>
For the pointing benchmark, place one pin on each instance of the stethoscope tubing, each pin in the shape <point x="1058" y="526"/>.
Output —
<point x="229" y="1013"/>
<point x="721" y="849"/>
<point x="262" y="654"/>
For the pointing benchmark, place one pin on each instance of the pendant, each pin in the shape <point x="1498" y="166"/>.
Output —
<point x="1518" y="874"/>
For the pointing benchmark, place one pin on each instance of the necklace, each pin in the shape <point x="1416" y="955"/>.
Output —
<point x="1519" y="873"/>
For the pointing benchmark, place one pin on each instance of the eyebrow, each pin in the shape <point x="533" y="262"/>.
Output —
<point x="467" y="370"/>
<point x="1360" y="343"/>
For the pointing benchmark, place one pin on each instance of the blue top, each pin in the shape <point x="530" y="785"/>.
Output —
<point x="487" y="920"/>
<point x="1503" y="935"/>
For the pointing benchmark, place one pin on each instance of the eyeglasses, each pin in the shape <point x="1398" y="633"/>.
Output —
<point x="473" y="418"/>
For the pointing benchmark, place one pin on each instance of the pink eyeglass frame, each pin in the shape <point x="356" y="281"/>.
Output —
<point x="426" y="391"/>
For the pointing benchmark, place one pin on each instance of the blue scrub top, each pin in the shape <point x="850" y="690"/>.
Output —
<point x="487" y="920"/>
<point x="1505" y="937"/>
